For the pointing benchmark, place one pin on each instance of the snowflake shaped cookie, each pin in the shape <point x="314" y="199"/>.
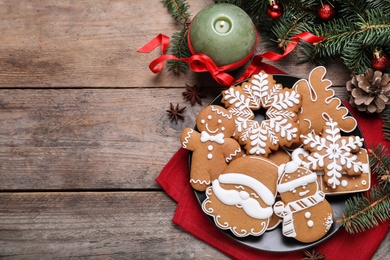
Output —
<point x="280" y="127"/>
<point x="333" y="153"/>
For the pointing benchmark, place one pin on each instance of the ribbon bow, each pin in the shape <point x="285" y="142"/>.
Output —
<point x="219" y="138"/>
<point x="202" y="63"/>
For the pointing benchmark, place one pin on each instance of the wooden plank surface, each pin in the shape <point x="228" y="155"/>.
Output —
<point x="88" y="138"/>
<point x="118" y="225"/>
<point x="84" y="131"/>
<point x="110" y="225"/>
<point x="93" y="43"/>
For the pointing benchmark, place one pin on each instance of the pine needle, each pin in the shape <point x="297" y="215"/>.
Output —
<point x="360" y="212"/>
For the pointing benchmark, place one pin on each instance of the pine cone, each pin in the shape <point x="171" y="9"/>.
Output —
<point x="370" y="91"/>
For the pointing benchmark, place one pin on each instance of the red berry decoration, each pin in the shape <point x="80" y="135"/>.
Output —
<point x="274" y="9"/>
<point x="380" y="61"/>
<point x="326" y="12"/>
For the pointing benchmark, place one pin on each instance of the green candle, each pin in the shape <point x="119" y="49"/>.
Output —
<point x="224" y="32"/>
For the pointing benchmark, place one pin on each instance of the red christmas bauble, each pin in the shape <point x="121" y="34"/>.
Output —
<point x="380" y="61"/>
<point x="326" y="12"/>
<point x="274" y="9"/>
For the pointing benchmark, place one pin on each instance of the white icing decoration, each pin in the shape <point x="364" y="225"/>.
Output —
<point x="230" y="157"/>
<point x="211" y="131"/>
<point x="286" y="211"/>
<point x="280" y="124"/>
<point x="241" y="199"/>
<point x="219" y="121"/>
<point x="307" y="215"/>
<point x="295" y="155"/>
<point x="344" y="183"/>
<point x="209" y="117"/>
<point x="364" y="182"/>
<point x="186" y="139"/>
<point x="335" y="148"/>
<point x="328" y="222"/>
<point x="200" y="182"/>
<point x="238" y="178"/>
<point x="291" y="167"/>
<point x="303" y="193"/>
<point x="219" y="138"/>
<point x="310" y="223"/>
<point x="219" y="112"/>
<point x="210" y="147"/>
<point x="286" y="186"/>
<point x="209" y="156"/>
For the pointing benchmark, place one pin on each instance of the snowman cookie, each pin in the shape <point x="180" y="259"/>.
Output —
<point x="307" y="215"/>
<point x="241" y="198"/>
<point x="213" y="148"/>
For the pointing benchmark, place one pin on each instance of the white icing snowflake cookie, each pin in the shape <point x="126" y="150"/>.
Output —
<point x="280" y="127"/>
<point x="334" y="154"/>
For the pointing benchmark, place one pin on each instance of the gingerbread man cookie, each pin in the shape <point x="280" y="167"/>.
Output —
<point x="213" y="148"/>
<point x="307" y="215"/>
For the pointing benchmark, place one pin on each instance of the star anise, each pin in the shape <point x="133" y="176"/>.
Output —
<point x="193" y="94"/>
<point x="175" y="113"/>
<point x="313" y="255"/>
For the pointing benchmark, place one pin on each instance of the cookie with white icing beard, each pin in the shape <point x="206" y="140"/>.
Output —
<point x="241" y="198"/>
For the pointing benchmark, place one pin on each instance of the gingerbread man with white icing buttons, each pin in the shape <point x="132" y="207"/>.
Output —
<point x="213" y="148"/>
<point x="307" y="215"/>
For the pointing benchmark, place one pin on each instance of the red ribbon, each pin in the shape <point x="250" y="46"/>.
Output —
<point x="305" y="36"/>
<point x="203" y="63"/>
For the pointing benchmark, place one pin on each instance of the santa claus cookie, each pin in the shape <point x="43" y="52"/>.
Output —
<point x="213" y="148"/>
<point x="307" y="215"/>
<point x="241" y="198"/>
<point x="333" y="153"/>
<point x="280" y="127"/>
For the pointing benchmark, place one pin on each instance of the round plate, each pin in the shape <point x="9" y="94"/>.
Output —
<point x="273" y="240"/>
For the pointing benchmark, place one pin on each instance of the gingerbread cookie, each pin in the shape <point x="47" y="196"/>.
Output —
<point x="307" y="215"/>
<point x="280" y="127"/>
<point x="241" y="198"/>
<point x="213" y="148"/>
<point x="350" y="183"/>
<point x="333" y="153"/>
<point x="317" y="97"/>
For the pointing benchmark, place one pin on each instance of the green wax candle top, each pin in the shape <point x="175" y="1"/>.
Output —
<point x="224" y="32"/>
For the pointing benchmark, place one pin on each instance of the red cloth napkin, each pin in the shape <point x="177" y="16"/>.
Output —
<point x="174" y="179"/>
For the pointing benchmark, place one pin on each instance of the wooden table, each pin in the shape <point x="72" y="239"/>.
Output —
<point x="84" y="131"/>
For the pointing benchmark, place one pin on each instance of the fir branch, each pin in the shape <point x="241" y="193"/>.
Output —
<point x="386" y="122"/>
<point x="380" y="163"/>
<point x="361" y="213"/>
<point x="178" y="45"/>
<point x="178" y="10"/>
<point x="357" y="57"/>
<point x="179" y="48"/>
<point x="293" y="22"/>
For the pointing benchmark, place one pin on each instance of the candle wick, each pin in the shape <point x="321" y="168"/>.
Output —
<point x="222" y="24"/>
